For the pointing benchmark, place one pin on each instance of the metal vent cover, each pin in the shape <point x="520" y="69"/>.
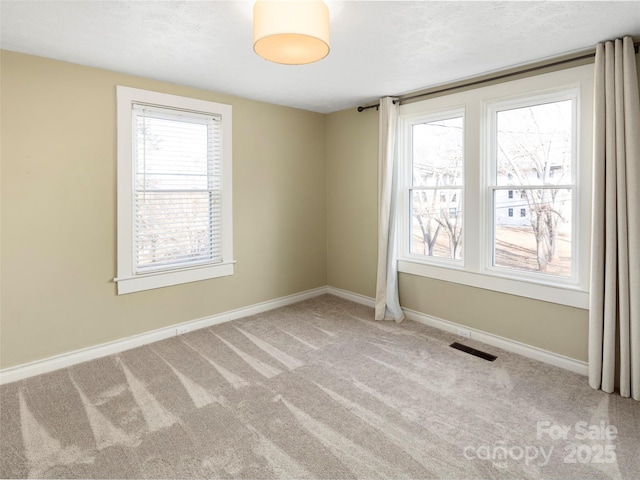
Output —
<point x="473" y="351"/>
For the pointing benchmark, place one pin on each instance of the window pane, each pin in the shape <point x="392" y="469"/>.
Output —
<point x="438" y="153"/>
<point x="539" y="239"/>
<point x="534" y="145"/>
<point x="172" y="154"/>
<point x="177" y="208"/>
<point x="436" y="223"/>
<point x="176" y="228"/>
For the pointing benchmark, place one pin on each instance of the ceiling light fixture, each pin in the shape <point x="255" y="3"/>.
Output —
<point x="291" y="32"/>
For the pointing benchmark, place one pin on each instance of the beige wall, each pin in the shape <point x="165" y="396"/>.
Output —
<point x="59" y="211"/>
<point x="292" y="229"/>
<point x="352" y="140"/>
<point x="352" y="185"/>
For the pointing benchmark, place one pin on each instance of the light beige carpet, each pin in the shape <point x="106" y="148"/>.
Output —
<point x="315" y="390"/>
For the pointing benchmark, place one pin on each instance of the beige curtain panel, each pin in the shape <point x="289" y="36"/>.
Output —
<point x="387" y="305"/>
<point x="614" y="314"/>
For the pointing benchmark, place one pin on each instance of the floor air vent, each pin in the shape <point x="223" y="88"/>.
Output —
<point x="473" y="351"/>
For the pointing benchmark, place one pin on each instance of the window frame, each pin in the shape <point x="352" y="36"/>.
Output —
<point x="128" y="280"/>
<point x="490" y="111"/>
<point x="475" y="271"/>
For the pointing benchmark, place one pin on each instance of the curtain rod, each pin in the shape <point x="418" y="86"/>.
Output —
<point x="497" y="77"/>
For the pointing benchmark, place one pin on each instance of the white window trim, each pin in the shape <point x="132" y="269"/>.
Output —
<point x="473" y="269"/>
<point x="127" y="280"/>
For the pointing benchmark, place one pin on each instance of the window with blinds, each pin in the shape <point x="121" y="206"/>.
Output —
<point x="177" y="201"/>
<point x="174" y="190"/>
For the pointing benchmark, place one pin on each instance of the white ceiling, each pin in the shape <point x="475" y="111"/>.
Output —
<point x="377" y="47"/>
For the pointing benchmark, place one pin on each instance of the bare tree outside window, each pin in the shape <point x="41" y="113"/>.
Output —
<point x="176" y="197"/>
<point x="534" y="154"/>
<point x="436" y="193"/>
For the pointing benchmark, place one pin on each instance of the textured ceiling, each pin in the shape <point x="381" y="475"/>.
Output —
<point x="377" y="47"/>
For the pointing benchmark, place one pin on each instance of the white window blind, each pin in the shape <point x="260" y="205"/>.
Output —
<point x="175" y="215"/>
<point x="177" y="201"/>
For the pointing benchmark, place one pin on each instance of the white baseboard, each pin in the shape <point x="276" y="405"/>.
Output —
<point x="56" y="362"/>
<point x="50" y="364"/>
<point x="354" y="297"/>
<point x="507" y="344"/>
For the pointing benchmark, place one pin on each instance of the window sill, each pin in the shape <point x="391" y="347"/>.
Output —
<point x="563" y="295"/>
<point x="150" y="281"/>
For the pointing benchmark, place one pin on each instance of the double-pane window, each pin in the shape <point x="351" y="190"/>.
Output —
<point x="178" y="189"/>
<point x="436" y="190"/>
<point x="174" y="190"/>
<point x="495" y="187"/>
<point x="533" y="153"/>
